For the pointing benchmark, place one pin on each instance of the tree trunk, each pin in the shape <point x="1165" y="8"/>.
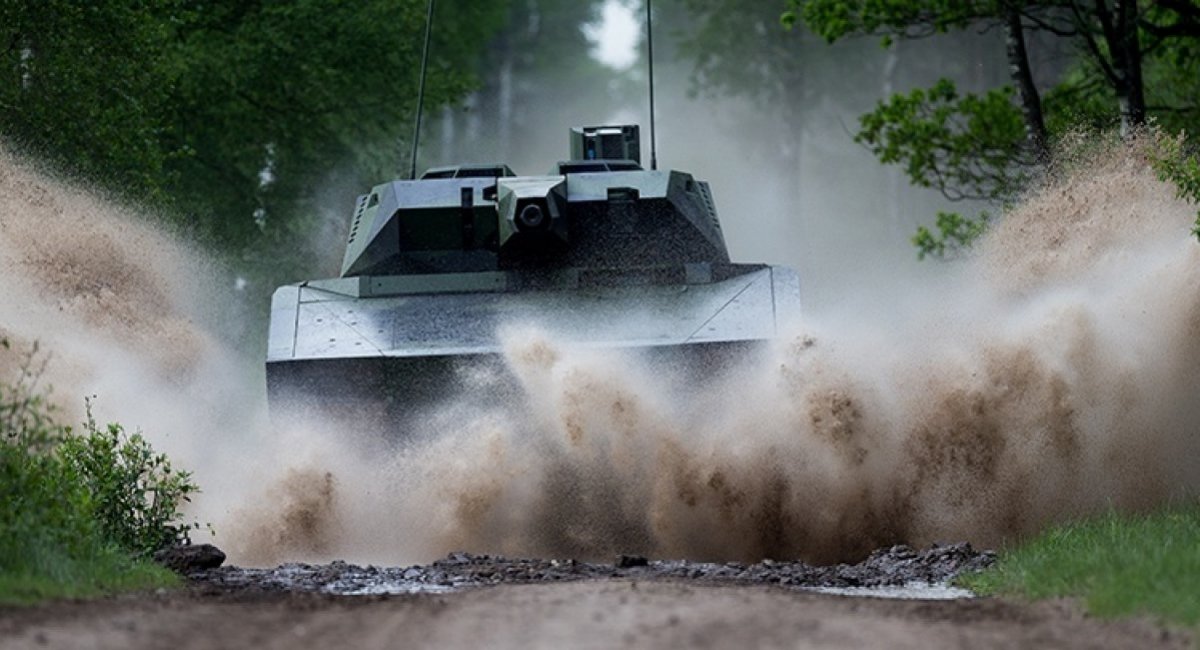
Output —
<point x="1133" y="112"/>
<point x="1121" y="34"/>
<point x="1022" y="78"/>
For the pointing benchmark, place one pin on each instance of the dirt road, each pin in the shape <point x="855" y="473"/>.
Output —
<point x="609" y="613"/>
<point x="475" y="601"/>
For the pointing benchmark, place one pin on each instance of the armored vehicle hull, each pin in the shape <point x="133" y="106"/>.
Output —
<point x="599" y="254"/>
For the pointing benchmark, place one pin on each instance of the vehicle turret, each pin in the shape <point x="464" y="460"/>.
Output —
<point x="598" y="209"/>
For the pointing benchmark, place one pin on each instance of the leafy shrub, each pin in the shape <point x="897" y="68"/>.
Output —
<point x="1178" y="163"/>
<point x="136" y="495"/>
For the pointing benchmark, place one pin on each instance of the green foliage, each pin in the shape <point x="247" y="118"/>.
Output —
<point x="955" y="233"/>
<point x="1171" y="73"/>
<point x="79" y="509"/>
<point x="1078" y="101"/>
<point x="971" y="147"/>
<point x="1179" y="165"/>
<point x="87" y="85"/>
<point x="1119" y="565"/>
<point x="275" y="102"/>
<point x="966" y="146"/>
<point x="45" y="515"/>
<point x="135" y="494"/>
<point x="24" y="413"/>
<point x="837" y="19"/>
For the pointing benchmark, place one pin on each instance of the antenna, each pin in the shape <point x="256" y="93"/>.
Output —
<point x="412" y="172"/>
<point x="650" y="60"/>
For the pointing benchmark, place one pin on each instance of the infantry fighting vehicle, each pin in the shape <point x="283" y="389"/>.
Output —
<point x="599" y="252"/>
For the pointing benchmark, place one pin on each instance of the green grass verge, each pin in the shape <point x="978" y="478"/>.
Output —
<point x="110" y="571"/>
<point x="1117" y="564"/>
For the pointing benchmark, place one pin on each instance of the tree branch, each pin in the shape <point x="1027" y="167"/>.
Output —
<point x="1186" y="9"/>
<point x="1039" y="21"/>
<point x="1092" y="46"/>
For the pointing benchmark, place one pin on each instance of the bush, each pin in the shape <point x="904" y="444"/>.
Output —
<point x="135" y="493"/>
<point x="1178" y="162"/>
<point x="80" y="511"/>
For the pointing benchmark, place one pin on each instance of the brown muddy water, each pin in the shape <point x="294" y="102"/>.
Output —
<point x="1051" y="374"/>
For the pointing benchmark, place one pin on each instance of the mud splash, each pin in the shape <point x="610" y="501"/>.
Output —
<point x="129" y="315"/>
<point x="1052" y="375"/>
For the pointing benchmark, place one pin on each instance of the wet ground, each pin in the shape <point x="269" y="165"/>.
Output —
<point x="889" y="571"/>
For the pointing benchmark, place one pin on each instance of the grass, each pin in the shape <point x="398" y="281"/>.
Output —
<point x="1118" y="565"/>
<point x="108" y="571"/>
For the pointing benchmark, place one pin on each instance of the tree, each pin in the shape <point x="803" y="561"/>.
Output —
<point x="965" y="145"/>
<point x="86" y="86"/>
<point x="276" y="97"/>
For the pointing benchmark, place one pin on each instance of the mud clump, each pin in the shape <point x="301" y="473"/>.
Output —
<point x="187" y="559"/>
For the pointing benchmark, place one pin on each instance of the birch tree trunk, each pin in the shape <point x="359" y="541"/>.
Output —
<point x="1022" y="78"/>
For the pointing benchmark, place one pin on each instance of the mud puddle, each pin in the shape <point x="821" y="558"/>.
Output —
<point x="896" y="572"/>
